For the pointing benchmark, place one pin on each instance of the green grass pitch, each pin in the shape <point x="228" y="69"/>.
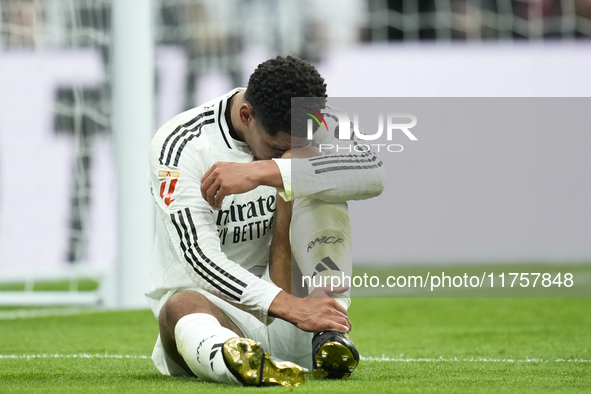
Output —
<point x="419" y="346"/>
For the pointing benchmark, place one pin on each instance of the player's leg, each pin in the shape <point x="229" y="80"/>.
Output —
<point x="322" y="246"/>
<point x="321" y="243"/>
<point x="198" y="336"/>
<point x="283" y="270"/>
<point x="286" y="341"/>
<point x="191" y="328"/>
<point x="318" y="235"/>
<point x="184" y="304"/>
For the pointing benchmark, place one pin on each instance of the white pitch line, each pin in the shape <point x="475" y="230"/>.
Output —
<point x="384" y="358"/>
<point x="82" y="355"/>
<point x="378" y="359"/>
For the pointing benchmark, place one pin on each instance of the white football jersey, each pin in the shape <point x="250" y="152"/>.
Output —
<point x="225" y="252"/>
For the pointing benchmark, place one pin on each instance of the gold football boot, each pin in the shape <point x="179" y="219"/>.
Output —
<point x="252" y="366"/>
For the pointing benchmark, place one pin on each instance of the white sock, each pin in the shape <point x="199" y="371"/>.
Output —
<point x="320" y="236"/>
<point x="199" y="340"/>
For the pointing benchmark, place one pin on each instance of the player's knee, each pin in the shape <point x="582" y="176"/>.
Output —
<point x="181" y="304"/>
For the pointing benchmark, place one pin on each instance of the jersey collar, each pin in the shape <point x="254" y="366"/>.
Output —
<point x="225" y="122"/>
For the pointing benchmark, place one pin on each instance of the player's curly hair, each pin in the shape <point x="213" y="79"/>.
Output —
<point x="273" y="84"/>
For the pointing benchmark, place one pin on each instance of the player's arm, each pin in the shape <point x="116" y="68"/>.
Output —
<point x="336" y="172"/>
<point x="333" y="177"/>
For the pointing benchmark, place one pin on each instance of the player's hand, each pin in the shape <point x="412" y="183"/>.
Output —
<point x="224" y="179"/>
<point x="313" y="313"/>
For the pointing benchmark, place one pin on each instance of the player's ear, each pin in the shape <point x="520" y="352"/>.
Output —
<point x="246" y="113"/>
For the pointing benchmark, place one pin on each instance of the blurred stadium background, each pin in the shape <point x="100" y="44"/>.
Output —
<point x="59" y="163"/>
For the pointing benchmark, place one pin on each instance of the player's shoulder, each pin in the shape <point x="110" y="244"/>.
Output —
<point x="188" y="130"/>
<point x="197" y="117"/>
<point x="185" y="122"/>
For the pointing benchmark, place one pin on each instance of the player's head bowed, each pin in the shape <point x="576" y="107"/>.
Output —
<point x="271" y="87"/>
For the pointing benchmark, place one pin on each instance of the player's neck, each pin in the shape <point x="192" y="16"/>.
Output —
<point x="235" y="103"/>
